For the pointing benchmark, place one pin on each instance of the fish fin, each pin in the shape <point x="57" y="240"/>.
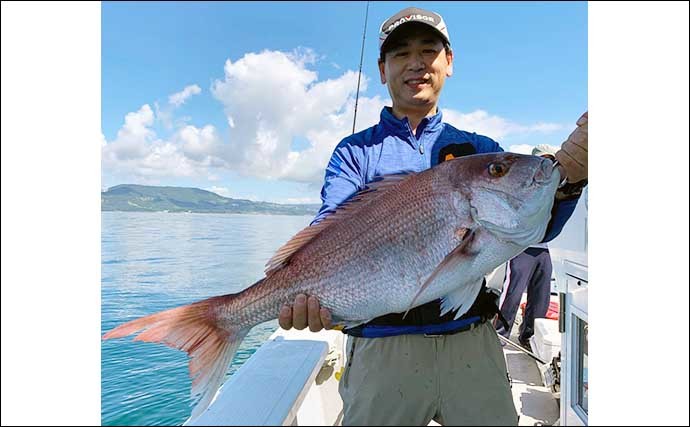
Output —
<point x="461" y="299"/>
<point x="450" y="262"/>
<point x="195" y="329"/>
<point x="285" y="252"/>
<point x="371" y="191"/>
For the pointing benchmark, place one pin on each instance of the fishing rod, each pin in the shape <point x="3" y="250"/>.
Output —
<point x="522" y="349"/>
<point x="361" y="58"/>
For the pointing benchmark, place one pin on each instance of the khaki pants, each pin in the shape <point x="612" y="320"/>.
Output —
<point x="456" y="379"/>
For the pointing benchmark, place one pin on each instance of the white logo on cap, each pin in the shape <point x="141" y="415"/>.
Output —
<point x="408" y="18"/>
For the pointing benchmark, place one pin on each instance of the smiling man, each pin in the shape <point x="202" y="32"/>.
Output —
<point x="408" y="370"/>
<point x="414" y="63"/>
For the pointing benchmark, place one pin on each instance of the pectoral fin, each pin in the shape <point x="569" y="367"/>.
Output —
<point x="461" y="299"/>
<point x="449" y="263"/>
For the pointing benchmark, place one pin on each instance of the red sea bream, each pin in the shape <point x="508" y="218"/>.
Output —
<point x="401" y="242"/>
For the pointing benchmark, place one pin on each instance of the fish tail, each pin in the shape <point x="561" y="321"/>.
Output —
<point x="198" y="330"/>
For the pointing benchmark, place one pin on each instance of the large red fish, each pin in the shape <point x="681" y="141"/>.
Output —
<point x="403" y="241"/>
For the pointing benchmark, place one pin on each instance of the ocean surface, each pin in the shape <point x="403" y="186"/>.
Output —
<point x="155" y="261"/>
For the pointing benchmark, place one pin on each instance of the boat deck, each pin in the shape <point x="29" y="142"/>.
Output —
<point x="533" y="401"/>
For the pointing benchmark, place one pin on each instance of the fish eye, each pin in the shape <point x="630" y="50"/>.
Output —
<point x="497" y="169"/>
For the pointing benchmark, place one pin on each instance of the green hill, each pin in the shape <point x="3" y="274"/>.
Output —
<point x="144" y="198"/>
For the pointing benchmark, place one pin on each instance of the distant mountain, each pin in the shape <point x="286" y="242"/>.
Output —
<point x="144" y="198"/>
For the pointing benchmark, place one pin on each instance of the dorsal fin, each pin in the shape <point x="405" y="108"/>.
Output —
<point x="373" y="190"/>
<point x="282" y="255"/>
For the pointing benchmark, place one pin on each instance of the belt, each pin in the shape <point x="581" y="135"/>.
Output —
<point x="437" y="330"/>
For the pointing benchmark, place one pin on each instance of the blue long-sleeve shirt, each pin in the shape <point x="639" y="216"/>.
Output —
<point x="391" y="147"/>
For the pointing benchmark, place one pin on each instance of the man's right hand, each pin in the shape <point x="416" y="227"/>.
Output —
<point x="305" y="312"/>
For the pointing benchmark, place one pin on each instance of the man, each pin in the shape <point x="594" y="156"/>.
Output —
<point x="457" y="377"/>
<point x="531" y="271"/>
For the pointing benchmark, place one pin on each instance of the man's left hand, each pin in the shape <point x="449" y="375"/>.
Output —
<point x="572" y="157"/>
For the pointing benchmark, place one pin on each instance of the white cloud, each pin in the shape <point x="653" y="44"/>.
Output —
<point x="133" y="136"/>
<point x="165" y="114"/>
<point x="521" y="148"/>
<point x="495" y="127"/>
<point x="270" y="99"/>
<point x="179" y="98"/>
<point x="137" y="151"/>
<point x="201" y="144"/>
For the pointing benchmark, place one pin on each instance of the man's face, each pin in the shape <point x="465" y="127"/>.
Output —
<point x="415" y="67"/>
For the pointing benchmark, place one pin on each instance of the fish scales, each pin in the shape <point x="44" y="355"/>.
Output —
<point x="355" y="262"/>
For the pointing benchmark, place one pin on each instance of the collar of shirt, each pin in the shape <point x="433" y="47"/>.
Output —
<point x="401" y="127"/>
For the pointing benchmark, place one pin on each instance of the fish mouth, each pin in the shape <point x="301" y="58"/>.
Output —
<point x="547" y="177"/>
<point x="544" y="175"/>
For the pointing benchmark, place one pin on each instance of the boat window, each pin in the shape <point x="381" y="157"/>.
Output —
<point x="582" y="382"/>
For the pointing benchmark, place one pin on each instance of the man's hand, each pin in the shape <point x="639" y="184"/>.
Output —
<point x="572" y="157"/>
<point x="305" y="313"/>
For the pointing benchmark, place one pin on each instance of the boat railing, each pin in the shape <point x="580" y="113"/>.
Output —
<point x="289" y="380"/>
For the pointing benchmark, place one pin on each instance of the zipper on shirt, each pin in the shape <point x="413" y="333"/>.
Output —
<point x="420" y="146"/>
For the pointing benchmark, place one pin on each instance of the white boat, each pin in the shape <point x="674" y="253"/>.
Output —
<point x="292" y="379"/>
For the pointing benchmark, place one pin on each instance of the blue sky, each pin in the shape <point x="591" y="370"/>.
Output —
<point x="249" y="99"/>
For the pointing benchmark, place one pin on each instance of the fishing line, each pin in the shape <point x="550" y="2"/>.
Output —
<point x="361" y="58"/>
